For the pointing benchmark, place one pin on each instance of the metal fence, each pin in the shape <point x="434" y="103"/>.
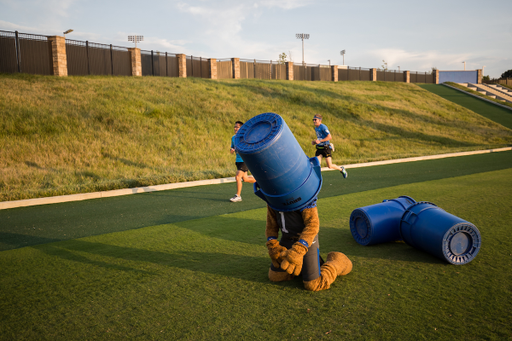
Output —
<point x="198" y="67"/>
<point x="224" y="68"/>
<point x="30" y="53"/>
<point x="354" y="74"/>
<point x="390" y="76"/>
<point x="278" y="71"/>
<point x="247" y="70"/>
<point x="87" y="58"/>
<point x="27" y="53"/>
<point x="421" y="77"/>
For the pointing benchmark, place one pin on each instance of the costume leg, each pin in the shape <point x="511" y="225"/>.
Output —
<point x="337" y="264"/>
<point x="279" y="275"/>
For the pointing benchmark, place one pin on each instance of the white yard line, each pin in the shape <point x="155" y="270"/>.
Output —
<point x="118" y="192"/>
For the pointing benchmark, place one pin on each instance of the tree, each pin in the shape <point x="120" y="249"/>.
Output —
<point x="282" y="58"/>
<point x="384" y="65"/>
<point x="507" y="74"/>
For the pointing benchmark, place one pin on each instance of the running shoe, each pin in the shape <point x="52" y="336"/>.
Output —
<point x="342" y="171"/>
<point x="236" y="198"/>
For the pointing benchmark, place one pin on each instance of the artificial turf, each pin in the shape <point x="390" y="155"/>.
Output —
<point x="206" y="278"/>
<point x="493" y="112"/>
<point x="26" y="226"/>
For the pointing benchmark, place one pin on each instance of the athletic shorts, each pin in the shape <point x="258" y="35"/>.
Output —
<point x="325" y="152"/>
<point x="311" y="262"/>
<point x="241" y="166"/>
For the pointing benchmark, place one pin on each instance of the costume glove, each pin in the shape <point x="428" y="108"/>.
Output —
<point x="293" y="258"/>
<point x="274" y="250"/>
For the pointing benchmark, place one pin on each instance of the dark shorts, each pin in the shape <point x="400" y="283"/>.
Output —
<point x="325" y="152"/>
<point x="241" y="166"/>
<point x="312" y="260"/>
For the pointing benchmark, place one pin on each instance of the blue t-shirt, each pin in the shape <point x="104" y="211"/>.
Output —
<point x="238" y="157"/>
<point x="321" y="133"/>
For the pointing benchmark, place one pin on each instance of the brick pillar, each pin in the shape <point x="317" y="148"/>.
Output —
<point x="334" y="73"/>
<point x="182" y="65"/>
<point x="373" y="74"/>
<point x="407" y="76"/>
<point x="60" y="60"/>
<point x="289" y="71"/>
<point x="479" y="77"/>
<point x="136" y="62"/>
<point x="236" y="67"/>
<point x="436" y="76"/>
<point x="213" y="68"/>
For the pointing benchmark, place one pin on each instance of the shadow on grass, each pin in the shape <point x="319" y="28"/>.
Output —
<point x="341" y="240"/>
<point x="228" y="265"/>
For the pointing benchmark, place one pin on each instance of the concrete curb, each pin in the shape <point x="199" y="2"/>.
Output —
<point x="106" y="194"/>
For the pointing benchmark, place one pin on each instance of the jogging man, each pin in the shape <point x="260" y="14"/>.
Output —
<point x="241" y="173"/>
<point x="323" y="146"/>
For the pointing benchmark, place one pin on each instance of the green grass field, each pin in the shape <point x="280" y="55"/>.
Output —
<point x="201" y="273"/>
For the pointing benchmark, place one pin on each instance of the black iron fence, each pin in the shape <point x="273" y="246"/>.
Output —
<point x="197" y="67"/>
<point x="354" y="74"/>
<point x="27" y="53"/>
<point x="158" y="63"/>
<point x="390" y="76"/>
<point x="87" y="58"/>
<point x="30" y="53"/>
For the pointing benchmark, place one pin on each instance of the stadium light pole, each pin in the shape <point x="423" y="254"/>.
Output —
<point x="343" y="54"/>
<point x="135" y="39"/>
<point x="464" y="66"/>
<point x="302" y="36"/>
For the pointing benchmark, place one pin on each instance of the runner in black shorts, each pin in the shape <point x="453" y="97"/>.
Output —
<point x="241" y="166"/>
<point x="241" y="173"/>
<point x="323" y="146"/>
<point x="323" y="151"/>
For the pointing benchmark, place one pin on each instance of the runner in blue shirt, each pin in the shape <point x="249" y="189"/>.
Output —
<point x="323" y="147"/>
<point x="241" y="173"/>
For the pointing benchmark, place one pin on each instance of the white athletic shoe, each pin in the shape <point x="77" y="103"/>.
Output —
<point x="236" y="198"/>
<point x="344" y="172"/>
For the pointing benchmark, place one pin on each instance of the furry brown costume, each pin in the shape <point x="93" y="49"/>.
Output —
<point x="291" y="259"/>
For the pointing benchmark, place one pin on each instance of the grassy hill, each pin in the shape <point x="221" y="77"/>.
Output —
<point x="81" y="134"/>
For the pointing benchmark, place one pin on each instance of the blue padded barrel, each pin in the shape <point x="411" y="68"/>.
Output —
<point x="286" y="178"/>
<point x="429" y="228"/>
<point x="379" y="223"/>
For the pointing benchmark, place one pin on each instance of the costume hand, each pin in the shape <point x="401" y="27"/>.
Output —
<point x="274" y="250"/>
<point x="293" y="258"/>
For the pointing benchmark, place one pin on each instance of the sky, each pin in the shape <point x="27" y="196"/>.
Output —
<point x="406" y="34"/>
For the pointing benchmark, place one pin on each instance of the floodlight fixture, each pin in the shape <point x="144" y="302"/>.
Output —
<point x="68" y="31"/>
<point x="135" y="39"/>
<point x="302" y="36"/>
<point x="342" y="52"/>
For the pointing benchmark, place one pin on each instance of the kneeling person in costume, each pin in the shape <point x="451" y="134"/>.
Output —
<point x="298" y="251"/>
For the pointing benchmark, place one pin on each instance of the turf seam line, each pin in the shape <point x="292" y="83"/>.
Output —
<point x="482" y="98"/>
<point x="147" y="189"/>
